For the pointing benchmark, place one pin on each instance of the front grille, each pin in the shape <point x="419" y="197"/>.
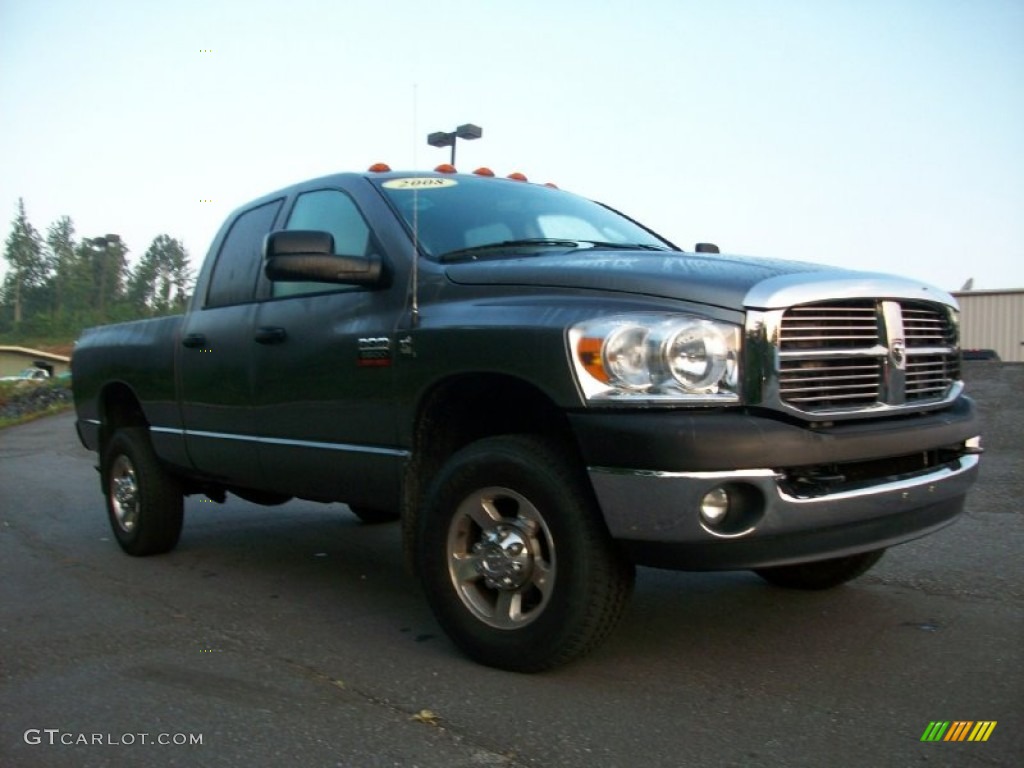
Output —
<point x="818" y="384"/>
<point x="863" y="354"/>
<point x="846" y="325"/>
<point x="925" y="326"/>
<point x="929" y="377"/>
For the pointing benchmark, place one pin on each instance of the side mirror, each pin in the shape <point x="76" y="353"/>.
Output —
<point x="706" y="248"/>
<point x="300" y="256"/>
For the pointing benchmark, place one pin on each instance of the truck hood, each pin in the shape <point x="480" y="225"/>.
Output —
<point x="732" y="282"/>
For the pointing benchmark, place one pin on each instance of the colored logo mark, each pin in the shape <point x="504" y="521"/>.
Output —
<point x="959" y="730"/>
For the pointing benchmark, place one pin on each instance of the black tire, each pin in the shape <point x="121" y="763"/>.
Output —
<point x="516" y="561"/>
<point x="144" y="502"/>
<point x="823" y="574"/>
<point x="372" y="516"/>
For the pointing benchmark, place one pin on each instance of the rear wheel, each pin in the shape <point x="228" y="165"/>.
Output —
<point x="144" y="502"/>
<point x="516" y="562"/>
<point x="823" y="574"/>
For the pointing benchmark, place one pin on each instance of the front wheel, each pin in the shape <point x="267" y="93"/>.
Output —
<point x="144" y="502"/>
<point x="823" y="574"/>
<point x="515" y="559"/>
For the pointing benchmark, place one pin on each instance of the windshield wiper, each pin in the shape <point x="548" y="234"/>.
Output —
<point x="624" y="246"/>
<point x="473" y="251"/>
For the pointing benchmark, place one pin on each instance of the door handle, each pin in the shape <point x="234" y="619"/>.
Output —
<point x="194" y="341"/>
<point x="270" y="335"/>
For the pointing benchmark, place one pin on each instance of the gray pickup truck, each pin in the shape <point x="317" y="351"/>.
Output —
<point x="546" y="394"/>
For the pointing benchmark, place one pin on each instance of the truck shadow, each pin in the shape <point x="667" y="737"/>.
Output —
<point x="312" y="560"/>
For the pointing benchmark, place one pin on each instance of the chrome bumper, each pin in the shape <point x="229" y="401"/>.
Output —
<point x="657" y="515"/>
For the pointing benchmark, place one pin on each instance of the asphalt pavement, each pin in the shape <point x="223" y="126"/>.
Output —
<point x="292" y="636"/>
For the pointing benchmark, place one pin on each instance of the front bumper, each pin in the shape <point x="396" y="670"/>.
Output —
<point x="654" y="512"/>
<point x="655" y="516"/>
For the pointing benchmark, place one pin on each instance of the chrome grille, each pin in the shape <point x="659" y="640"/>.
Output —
<point x="929" y="335"/>
<point x="814" y="384"/>
<point x="929" y="376"/>
<point x="849" y="356"/>
<point x="924" y="326"/>
<point x="830" y="326"/>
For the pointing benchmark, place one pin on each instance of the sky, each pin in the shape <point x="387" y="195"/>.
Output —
<point x="885" y="135"/>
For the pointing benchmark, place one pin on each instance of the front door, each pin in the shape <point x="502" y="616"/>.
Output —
<point x="322" y="373"/>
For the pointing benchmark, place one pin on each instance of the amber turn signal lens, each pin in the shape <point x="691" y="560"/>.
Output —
<point x="589" y="352"/>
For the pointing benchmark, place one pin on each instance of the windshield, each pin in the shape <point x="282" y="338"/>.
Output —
<point x="457" y="217"/>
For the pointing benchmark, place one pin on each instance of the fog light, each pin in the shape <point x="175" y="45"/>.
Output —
<point x="732" y="509"/>
<point x="714" y="506"/>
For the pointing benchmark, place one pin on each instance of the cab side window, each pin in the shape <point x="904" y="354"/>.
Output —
<point x="327" y="210"/>
<point x="237" y="268"/>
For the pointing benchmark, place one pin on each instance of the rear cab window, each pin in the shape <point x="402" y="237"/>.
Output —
<point x="236" y="271"/>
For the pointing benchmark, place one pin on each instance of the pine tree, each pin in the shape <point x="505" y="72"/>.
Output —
<point x="59" y="286"/>
<point x="162" y="280"/>
<point x="61" y="257"/>
<point x="27" y="269"/>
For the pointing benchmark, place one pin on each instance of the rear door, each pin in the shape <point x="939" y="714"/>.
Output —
<point x="323" y="378"/>
<point x="216" y="357"/>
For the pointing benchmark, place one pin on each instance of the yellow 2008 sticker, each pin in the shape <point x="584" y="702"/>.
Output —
<point x="420" y="182"/>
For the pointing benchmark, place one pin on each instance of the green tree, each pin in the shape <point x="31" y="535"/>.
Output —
<point x="56" y="287"/>
<point x="61" y="258"/>
<point x="161" y="282"/>
<point x="27" y="269"/>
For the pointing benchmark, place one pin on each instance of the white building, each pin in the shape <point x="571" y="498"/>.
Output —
<point x="993" y="320"/>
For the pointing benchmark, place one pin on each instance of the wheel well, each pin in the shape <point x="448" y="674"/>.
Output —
<point x="467" y="408"/>
<point x="119" y="407"/>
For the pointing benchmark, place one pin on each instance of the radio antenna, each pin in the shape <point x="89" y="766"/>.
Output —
<point x="414" y="277"/>
<point x="415" y="274"/>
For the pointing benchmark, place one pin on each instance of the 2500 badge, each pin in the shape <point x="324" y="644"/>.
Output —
<point x="373" y="351"/>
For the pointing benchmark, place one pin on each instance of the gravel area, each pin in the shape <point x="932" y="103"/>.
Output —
<point x="998" y="389"/>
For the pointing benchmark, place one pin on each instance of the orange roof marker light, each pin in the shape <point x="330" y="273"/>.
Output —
<point x="445" y="168"/>
<point x="379" y="168"/>
<point x="517" y="176"/>
<point x="484" y="171"/>
<point x="550" y="184"/>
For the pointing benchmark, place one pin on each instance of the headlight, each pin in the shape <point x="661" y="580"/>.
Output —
<point x="655" y="358"/>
